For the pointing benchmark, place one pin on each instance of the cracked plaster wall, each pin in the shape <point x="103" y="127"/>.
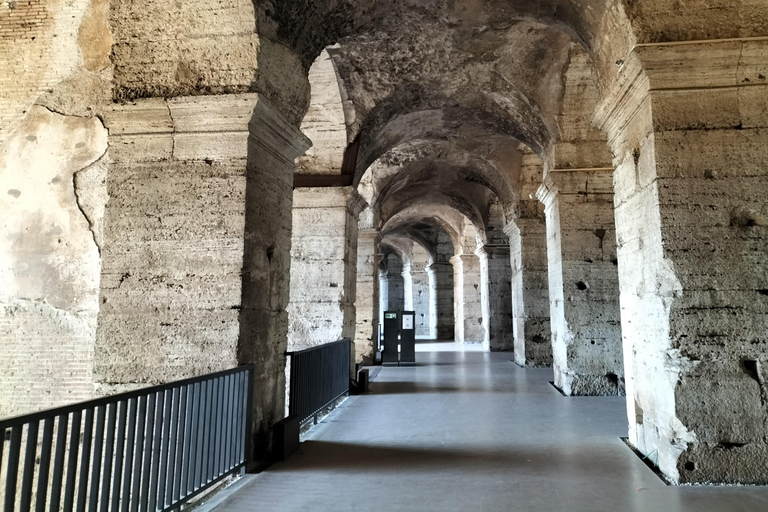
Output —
<point x="53" y="184"/>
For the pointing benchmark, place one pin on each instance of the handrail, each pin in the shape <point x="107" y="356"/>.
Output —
<point x="149" y="449"/>
<point x="319" y="377"/>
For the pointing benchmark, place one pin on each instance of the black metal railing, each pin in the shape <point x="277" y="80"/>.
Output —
<point x="150" y="449"/>
<point x="319" y="377"/>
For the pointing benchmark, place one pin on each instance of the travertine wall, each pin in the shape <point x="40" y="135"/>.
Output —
<point x="395" y="284"/>
<point x="367" y="294"/>
<point x="323" y="265"/>
<point x="421" y="290"/>
<point x="583" y="282"/>
<point x="443" y="270"/>
<point x="500" y="329"/>
<point x="530" y="285"/>
<point x="197" y="246"/>
<point x="52" y="178"/>
<point x="324" y="122"/>
<point x="691" y="211"/>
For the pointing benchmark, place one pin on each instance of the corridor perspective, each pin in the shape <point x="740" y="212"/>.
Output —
<point x="218" y="218"/>
<point x="465" y="430"/>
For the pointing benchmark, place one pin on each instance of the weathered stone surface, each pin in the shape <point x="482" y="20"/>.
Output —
<point x="583" y="282"/>
<point x="323" y="266"/>
<point x="51" y="178"/>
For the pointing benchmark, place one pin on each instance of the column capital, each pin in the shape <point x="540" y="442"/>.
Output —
<point x="329" y="197"/>
<point x="496" y="250"/>
<point x="714" y="71"/>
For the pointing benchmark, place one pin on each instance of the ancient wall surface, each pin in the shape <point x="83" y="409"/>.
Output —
<point x="691" y="224"/>
<point x="323" y="265"/>
<point x="530" y="285"/>
<point x="324" y="122"/>
<point x="367" y="293"/>
<point x="583" y="282"/>
<point x="500" y="298"/>
<point x="444" y="287"/>
<point x="52" y="179"/>
<point x="395" y="284"/>
<point x="421" y="291"/>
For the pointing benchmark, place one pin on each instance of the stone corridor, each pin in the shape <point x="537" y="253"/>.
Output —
<point x="468" y="430"/>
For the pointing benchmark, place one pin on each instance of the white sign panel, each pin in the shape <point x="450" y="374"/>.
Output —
<point x="407" y="321"/>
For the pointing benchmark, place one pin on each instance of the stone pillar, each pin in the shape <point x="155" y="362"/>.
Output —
<point x="583" y="282"/>
<point x="421" y="298"/>
<point x="688" y="128"/>
<point x="407" y="286"/>
<point x="432" y="287"/>
<point x="444" y="300"/>
<point x="468" y="307"/>
<point x="383" y="292"/>
<point x="196" y="250"/>
<point x="530" y="291"/>
<point x="395" y="284"/>
<point x="323" y="265"/>
<point x="500" y="328"/>
<point x="367" y="295"/>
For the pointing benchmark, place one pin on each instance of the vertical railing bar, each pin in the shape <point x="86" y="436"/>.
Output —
<point x="74" y="447"/>
<point x="170" y="474"/>
<point x="58" y="462"/>
<point x="221" y="436"/>
<point x="182" y="466"/>
<point x="146" y="468"/>
<point x="126" y="412"/>
<point x="192" y="451"/>
<point x="215" y="440"/>
<point x="11" y="477"/>
<point x="28" y="468"/>
<point x="203" y="432"/>
<point x="212" y="432"/>
<point x="85" y="460"/>
<point x="138" y="450"/>
<point x="98" y="446"/>
<point x="162" y="473"/>
<point x="109" y="455"/>
<point x="239" y="445"/>
<point x="160" y="420"/>
<point x="230" y="422"/>
<point x="248" y="446"/>
<point x="45" y="464"/>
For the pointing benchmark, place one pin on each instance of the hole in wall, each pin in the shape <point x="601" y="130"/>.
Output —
<point x="762" y="292"/>
<point x="636" y="156"/>
<point x="581" y="285"/>
<point x="639" y="414"/>
<point x="690" y="466"/>
<point x="727" y="445"/>
<point x="270" y="252"/>
<point x="751" y="368"/>
<point x="613" y="379"/>
<point x="592" y="342"/>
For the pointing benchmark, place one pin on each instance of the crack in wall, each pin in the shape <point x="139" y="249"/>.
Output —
<point x="79" y="201"/>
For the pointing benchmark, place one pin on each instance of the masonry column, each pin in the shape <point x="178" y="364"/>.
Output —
<point x="395" y="284"/>
<point x="691" y="184"/>
<point x="528" y="259"/>
<point x="583" y="282"/>
<point x="468" y="307"/>
<point x="500" y="328"/>
<point x="421" y="297"/>
<point x="323" y="265"/>
<point x="367" y="295"/>
<point x="196" y="246"/>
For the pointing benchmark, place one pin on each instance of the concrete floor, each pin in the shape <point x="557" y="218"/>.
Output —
<point x="468" y="431"/>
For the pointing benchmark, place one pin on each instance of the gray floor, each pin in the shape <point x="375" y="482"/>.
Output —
<point x="470" y="431"/>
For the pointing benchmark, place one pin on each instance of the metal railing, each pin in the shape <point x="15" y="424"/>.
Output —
<point x="150" y="449"/>
<point x="319" y="377"/>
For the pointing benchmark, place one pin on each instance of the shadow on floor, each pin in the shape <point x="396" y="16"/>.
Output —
<point x="321" y="455"/>
<point x="405" y="387"/>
